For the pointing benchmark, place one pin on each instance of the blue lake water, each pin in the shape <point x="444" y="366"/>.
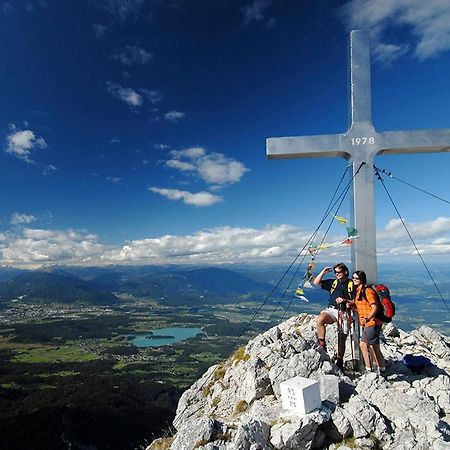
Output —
<point x="163" y="336"/>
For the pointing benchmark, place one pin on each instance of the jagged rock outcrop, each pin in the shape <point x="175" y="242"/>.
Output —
<point x="236" y="405"/>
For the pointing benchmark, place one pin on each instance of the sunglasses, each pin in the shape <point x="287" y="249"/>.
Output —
<point x="355" y="278"/>
<point x="338" y="271"/>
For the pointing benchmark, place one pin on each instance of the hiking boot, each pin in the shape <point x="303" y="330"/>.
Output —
<point x="340" y="364"/>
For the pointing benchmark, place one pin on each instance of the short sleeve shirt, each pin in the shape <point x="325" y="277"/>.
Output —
<point x="364" y="306"/>
<point x="341" y="290"/>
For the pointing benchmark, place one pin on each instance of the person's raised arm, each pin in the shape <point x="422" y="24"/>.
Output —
<point x="318" y="279"/>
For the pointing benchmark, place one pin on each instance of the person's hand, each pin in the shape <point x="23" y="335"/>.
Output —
<point x="327" y="269"/>
<point x="340" y="300"/>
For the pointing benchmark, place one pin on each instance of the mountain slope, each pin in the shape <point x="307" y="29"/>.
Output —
<point x="48" y="287"/>
<point x="238" y="404"/>
<point x="211" y="283"/>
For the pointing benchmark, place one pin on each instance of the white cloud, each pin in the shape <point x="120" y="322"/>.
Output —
<point x="174" y="116"/>
<point x="17" y="218"/>
<point x="213" y="168"/>
<point x="191" y="153"/>
<point x="189" y="198"/>
<point x="395" y="230"/>
<point x="255" y="12"/>
<point x="133" y="97"/>
<point x="180" y="165"/>
<point x="131" y="55"/>
<point x="388" y="53"/>
<point x="430" y="237"/>
<point x="428" y="22"/>
<point x="21" y="142"/>
<point x="126" y="95"/>
<point x="34" y="247"/>
<point x="218" y="169"/>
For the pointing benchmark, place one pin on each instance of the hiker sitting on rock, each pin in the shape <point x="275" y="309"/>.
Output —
<point x="366" y="304"/>
<point x="341" y="290"/>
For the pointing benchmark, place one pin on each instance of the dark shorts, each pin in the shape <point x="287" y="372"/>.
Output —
<point x="371" y="335"/>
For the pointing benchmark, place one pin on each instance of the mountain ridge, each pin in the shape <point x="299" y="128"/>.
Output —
<point x="47" y="287"/>
<point x="191" y="286"/>
<point x="236" y="405"/>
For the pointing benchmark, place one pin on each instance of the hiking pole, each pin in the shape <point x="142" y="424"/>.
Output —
<point x="356" y="339"/>
<point x="341" y="340"/>
<point x="352" y="330"/>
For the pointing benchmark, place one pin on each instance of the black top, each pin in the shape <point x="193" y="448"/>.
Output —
<point x="341" y="290"/>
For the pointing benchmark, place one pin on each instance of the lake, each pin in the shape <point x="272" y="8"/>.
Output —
<point x="163" y="336"/>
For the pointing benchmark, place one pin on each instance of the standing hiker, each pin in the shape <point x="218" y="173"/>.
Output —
<point x="367" y="304"/>
<point x="341" y="290"/>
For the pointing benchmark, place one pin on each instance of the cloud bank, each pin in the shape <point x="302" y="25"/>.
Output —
<point x="25" y="246"/>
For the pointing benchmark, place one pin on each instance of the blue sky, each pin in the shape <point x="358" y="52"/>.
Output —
<point x="134" y="131"/>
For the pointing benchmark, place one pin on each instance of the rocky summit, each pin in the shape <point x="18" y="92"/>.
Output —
<point x="236" y="405"/>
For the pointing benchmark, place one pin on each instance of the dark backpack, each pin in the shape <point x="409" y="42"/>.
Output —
<point x="386" y="307"/>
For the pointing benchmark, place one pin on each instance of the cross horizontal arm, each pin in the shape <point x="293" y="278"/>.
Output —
<point x="323" y="146"/>
<point x="415" y="141"/>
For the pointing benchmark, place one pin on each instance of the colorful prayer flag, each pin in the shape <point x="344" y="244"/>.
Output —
<point x="299" y="291"/>
<point x="340" y="219"/>
<point x="351" y="231"/>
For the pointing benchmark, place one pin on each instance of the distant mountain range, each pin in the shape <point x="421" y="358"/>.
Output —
<point x="190" y="284"/>
<point x="175" y="285"/>
<point x="95" y="285"/>
<point x="50" y="287"/>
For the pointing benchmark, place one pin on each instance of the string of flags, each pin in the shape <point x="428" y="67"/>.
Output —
<point x="313" y="250"/>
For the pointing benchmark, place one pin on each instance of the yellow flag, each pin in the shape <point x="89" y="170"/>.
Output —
<point x="340" y="219"/>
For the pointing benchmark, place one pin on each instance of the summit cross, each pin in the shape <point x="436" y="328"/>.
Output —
<point x="360" y="144"/>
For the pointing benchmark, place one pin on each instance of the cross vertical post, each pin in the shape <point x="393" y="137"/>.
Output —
<point x="361" y="138"/>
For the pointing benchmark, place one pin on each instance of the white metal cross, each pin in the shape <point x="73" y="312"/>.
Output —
<point x="360" y="144"/>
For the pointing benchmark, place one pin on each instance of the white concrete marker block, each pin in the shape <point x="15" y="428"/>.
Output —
<point x="300" y="395"/>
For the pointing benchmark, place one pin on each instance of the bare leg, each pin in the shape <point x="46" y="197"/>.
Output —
<point x="378" y="355"/>
<point x="322" y="319"/>
<point x="365" y="352"/>
<point x="371" y="354"/>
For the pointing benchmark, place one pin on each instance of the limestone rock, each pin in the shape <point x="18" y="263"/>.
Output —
<point x="298" y="433"/>
<point x="252" y="433"/>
